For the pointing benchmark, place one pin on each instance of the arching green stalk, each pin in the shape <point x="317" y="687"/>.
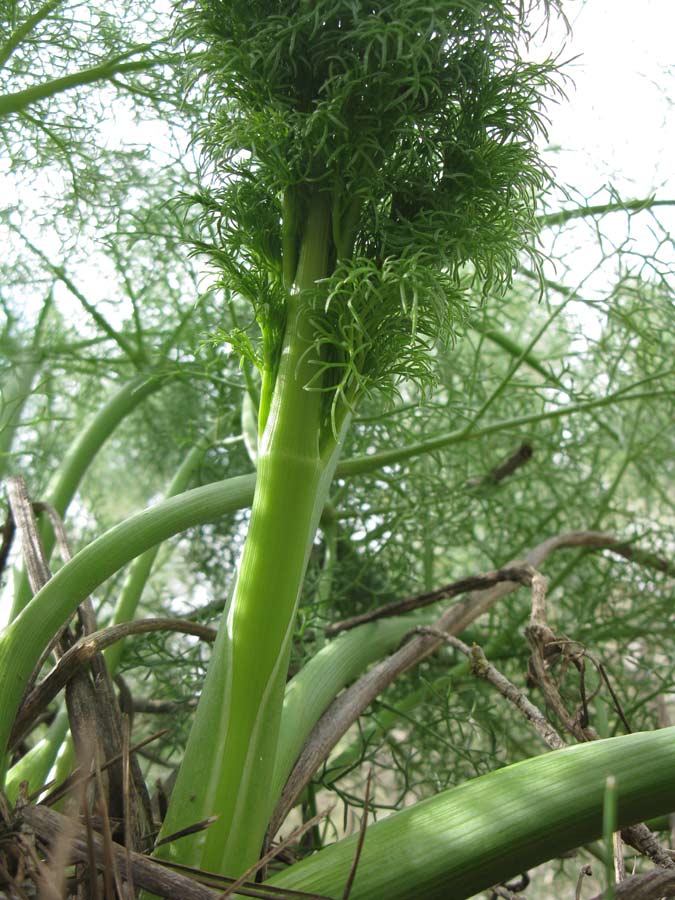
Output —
<point x="24" y="639"/>
<point x="337" y="664"/>
<point x="79" y="457"/>
<point x="139" y="572"/>
<point x="36" y="764"/>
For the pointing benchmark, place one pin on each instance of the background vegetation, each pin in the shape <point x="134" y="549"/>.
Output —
<point x="548" y="411"/>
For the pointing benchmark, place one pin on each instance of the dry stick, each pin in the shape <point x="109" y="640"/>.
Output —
<point x="653" y="886"/>
<point x="53" y="871"/>
<point x="612" y="693"/>
<point x="37" y="569"/>
<point x="111" y="861"/>
<point x="61" y="640"/>
<point x="92" y="705"/>
<point x="126" y="757"/>
<point x="592" y="540"/>
<point x="583" y="872"/>
<point x="346" y="708"/>
<point x="252" y="889"/>
<point x="482" y="668"/>
<point x="83" y="651"/>
<point x="158" y="707"/>
<point x="362" y="837"/>
<point x="7" y="532"/>
<point x="617" y="853"/>
<point x="38" y="572"/>
<point x="544" y="645"/>
<point x="106" y="710"/>
<point x="638" y="836"/>
<point x="91" y="857"/>
<point x="399" y="607"/>
<point x="500" y="891"/>
<point x="184" y="832"/>
<point x="76" y="778"/>
<point x="522" y="455"/>
<point x="147" y="873"/>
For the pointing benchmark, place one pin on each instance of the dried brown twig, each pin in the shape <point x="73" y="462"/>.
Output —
<point x="546" y="646"/>
<point x="349" y="705"/>
<point x="400" y="607"/>
<point x="482" y="668"/>
<point x="360" y="842"/>
<point x="7" y="532"/>
<point x="591" y="540"/>
<point x="510" y="465"/>
<point x="584" y="872"/>
<point x="653" y="886"/>
<point x="93" y="713"/>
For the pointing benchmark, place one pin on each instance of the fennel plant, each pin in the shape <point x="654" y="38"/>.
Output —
<point x="368" y="162"/>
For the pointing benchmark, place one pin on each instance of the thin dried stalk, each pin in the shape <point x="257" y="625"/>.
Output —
<point x="592" y="540"/>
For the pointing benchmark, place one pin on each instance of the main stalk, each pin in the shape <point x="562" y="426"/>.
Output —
<point x="230" y="757"/>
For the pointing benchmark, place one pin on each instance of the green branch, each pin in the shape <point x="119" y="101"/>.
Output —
<point x="361" y="464"/>
<point x="500" y="339"/>
<point x="20" y="33"/>
<point x="18" y="101"/>
<point x="580" y="212"/>
<point x="24" y="639"/>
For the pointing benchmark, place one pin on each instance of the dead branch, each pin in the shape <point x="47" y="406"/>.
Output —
<point x="510" y="465"/>
<point x="147" y="873"/>
<point x="7" y="532"/>
<point x="83" y="651"/>
<point x="546" y="645"/>
<point x="591" y="540"/>
<point x="482" y="668"/>
<point x="93" y="713"/>
<point x="652" y="886"/>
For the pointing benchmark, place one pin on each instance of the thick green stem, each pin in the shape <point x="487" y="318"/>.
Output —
<point x="229" y="761"/>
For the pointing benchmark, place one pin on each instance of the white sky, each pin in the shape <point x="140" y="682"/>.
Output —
<point x="618" y="125"/>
